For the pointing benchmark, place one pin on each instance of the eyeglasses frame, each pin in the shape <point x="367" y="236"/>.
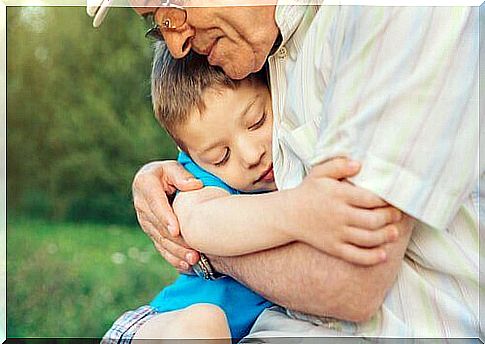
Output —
<point x="155" y="32"/>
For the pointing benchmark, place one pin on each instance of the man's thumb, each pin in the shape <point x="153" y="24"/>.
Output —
<point x="184" y="181"/>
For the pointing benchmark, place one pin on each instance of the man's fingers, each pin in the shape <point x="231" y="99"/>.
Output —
<point x="373" y="218"/>
<point x="171" y="259"/>
<point x="147" y="225"/>
<point x="338" y="168"/>
<point x="179" y="177"/>
<point x="176" y="250"/>
<point x="153" y="183"/>
<point x="158" y="211"/>
<point x="186" y="254"/>
<point x="163" y="214"/>
<point x="365" y="238"/>
<point x="362" y="198"/>
<point x="362" y="256"/>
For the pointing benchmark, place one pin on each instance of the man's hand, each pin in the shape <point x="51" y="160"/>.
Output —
<point x="151" y="185"/>
<point x="341" y="219"/>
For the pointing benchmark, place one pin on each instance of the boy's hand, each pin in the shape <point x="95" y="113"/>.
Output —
<point x="151" y="185"/>
<point x="341" y="219"/>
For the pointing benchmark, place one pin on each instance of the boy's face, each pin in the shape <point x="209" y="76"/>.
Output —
<point x="231" y="136"/>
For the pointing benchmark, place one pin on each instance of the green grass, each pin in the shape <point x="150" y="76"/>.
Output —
<point x="74" y="280"/>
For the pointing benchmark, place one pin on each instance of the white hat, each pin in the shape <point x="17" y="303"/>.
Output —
<point x="98" y="9"/>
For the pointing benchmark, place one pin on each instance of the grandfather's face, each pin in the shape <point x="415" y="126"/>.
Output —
<point x="236" y="38"/>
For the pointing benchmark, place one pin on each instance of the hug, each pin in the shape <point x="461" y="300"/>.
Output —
<point x="326" y="179"/>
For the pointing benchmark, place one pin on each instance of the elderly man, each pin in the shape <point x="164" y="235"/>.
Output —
<point x="393" y="88"/>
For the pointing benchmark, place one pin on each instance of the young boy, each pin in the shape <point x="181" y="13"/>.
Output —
<point x="224" y="129"/>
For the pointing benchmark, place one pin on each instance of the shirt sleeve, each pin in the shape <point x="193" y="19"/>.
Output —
<point x="402" y="98"/>
<point x="205" y="177"/>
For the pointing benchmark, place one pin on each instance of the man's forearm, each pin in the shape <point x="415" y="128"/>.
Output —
<point x="302" y="278"/>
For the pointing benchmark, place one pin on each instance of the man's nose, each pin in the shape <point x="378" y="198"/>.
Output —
<point x="179" y="41"/>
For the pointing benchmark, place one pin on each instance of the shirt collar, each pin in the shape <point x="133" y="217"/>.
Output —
<point x="288" y="18"/>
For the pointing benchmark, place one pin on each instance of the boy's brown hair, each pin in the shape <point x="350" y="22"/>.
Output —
<point x="178" y="85"/>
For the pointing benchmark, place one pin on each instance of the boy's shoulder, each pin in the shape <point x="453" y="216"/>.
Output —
<point x="207" y="178"/>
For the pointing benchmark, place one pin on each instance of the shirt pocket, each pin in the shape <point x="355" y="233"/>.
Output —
<point x="301" y="140"/>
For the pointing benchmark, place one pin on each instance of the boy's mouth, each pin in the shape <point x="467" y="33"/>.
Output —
<point x="267" y="176"/>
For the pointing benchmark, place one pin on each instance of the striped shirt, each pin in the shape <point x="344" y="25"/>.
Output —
<point x="395" y="88"/>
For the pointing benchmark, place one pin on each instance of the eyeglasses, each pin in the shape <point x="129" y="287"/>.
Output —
<point x="168" y="16"/>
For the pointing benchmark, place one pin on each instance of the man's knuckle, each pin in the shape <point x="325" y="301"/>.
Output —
<point x="139" y="181"/>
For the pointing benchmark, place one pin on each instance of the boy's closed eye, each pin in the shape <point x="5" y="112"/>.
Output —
<point x="224" y="159"/>
<point x="259" y="123"/>
<point x="227" y="152"/>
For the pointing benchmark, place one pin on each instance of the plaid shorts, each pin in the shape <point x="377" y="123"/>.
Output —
<point x="125" y="327"/>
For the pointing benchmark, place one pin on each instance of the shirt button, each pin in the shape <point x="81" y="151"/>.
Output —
<point x="283" y="53"/>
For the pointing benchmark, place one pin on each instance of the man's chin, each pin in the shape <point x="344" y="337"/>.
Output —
<point x="240" y="72"/>
<point x="237" y="72"/>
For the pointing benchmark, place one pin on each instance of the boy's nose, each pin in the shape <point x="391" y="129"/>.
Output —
<point x="253" y="157"/>
<point x="179" y="41"/>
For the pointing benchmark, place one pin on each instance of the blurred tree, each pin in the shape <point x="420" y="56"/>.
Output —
<point x="79" y="119"/>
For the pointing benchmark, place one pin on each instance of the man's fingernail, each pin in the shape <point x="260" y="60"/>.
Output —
<point x="190" y="180"/>
<point x="184" y="265"/>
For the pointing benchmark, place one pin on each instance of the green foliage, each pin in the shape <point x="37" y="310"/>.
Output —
<point x="68" y="280"/>
<point x="79" y="114"/>
<point x="79" y="125"/>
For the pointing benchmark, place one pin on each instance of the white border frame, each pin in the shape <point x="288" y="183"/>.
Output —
<point x="3" y="172"/>
<point x="124" y="3"/>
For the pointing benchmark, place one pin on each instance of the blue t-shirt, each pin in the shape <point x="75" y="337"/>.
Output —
<point x="241" y="305"/>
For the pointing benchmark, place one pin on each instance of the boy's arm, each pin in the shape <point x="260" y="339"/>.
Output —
<point x="215" y="222"/>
